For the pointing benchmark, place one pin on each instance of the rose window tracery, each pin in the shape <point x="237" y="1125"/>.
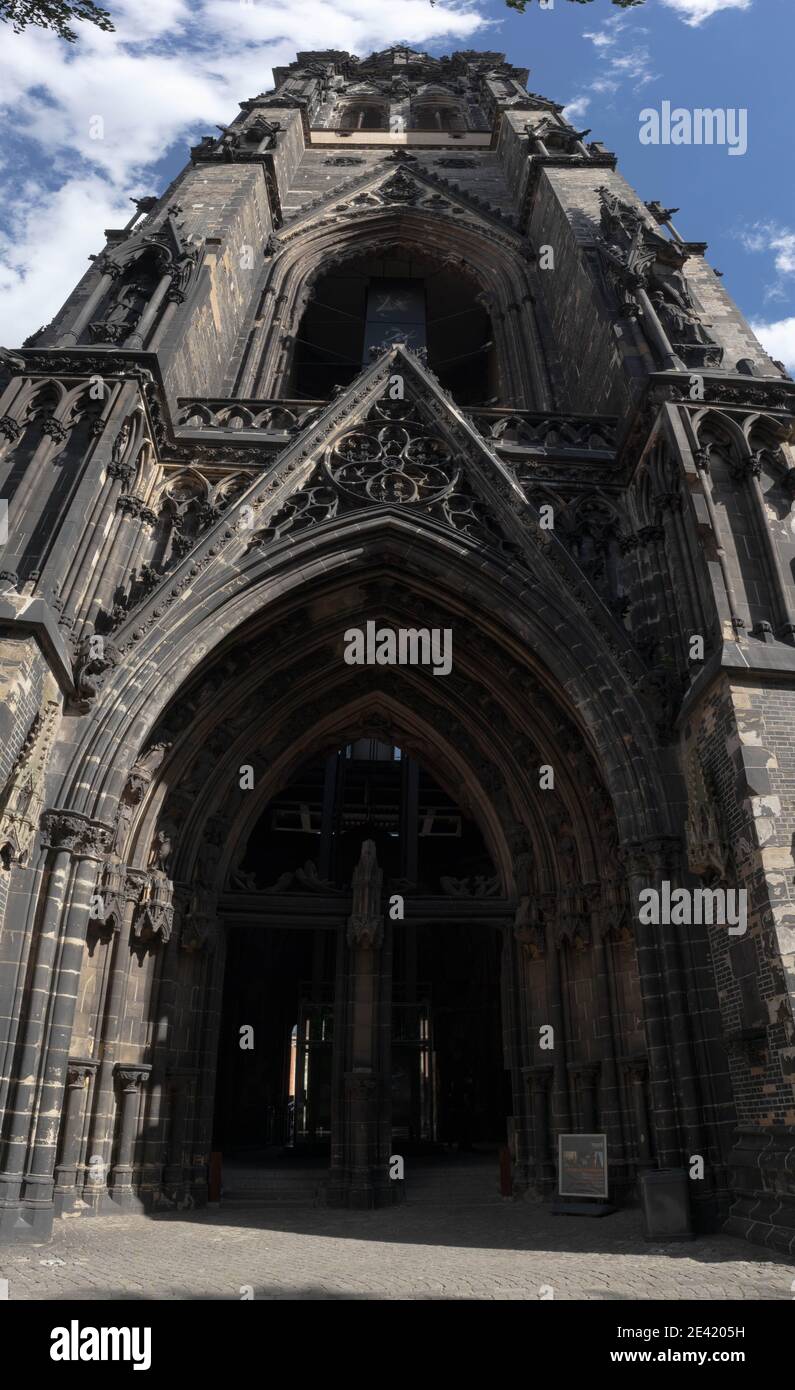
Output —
<point x="391" y="458"/>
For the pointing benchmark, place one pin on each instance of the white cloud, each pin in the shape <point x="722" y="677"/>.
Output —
<point x="576" y="109"/>
<point x="771" y="239"/>
<point x="47" y="247"/>
<point x="623" y="57"/>
<point x="778" y="339"/>
<point x="620" y="59"/>
<point x="695" y="12"/>
<point x="168" y="73"/>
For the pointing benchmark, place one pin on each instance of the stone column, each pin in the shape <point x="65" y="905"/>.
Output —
<point x="197" y="1135"/>
<point x="587" y="1080"/>
<point x="181" y="1086"/>
<point x="33" y="492"/>
<point x="363" y="1179"/>
<point x="557" y="1016"/>
<point x="665" y="857"/>
<point x="637" y="1070"/>
<point x="100" y="1138"/>
<point x="78" y="1081"/>
<point x="702" y="461"/>
<point x="74" y="846"/>
<point x="613" y="1119"/>
<point x="138" y="336"/>
<point x="640" y="875"/>
<point x="750" y="468"/>
<point x="110" y="272"/>
<point x="540" y="1081"/>
<point x="130" y="1079"/>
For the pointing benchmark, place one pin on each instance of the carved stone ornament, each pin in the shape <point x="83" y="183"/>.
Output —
<point x="24" y="797"/>
<point x="120" y="885"/>
<point x="10" y="428"/>
<point x="476" y="886"/>
<point x="155" y="915"/>
<point x="76" y="833"/>
<point x="366" y="922"/>
<point x="131" y="1077"/>
<point x="708" y="853"/>
<point x="199" y="922"/>
<point x="528" y="929"/>
<point x="400" y="188"/>
<point x="391" y="458"/>
<point x="95" y="657"/>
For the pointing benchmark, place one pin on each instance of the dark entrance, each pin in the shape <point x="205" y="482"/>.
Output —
<point x="274" y="1065"/>
<point x="285" y="984"/>
<point x="447" y="1045"/>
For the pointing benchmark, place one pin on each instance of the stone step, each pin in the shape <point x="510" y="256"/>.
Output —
<point x="467" y="1185"/>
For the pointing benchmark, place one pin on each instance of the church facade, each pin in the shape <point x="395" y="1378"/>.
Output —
<point x="397" y="651"/>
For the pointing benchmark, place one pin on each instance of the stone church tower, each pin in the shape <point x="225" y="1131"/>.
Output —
<point x="398" y="360"/>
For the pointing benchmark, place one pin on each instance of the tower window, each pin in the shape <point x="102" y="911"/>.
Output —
<point x="435" y="116"/>
<point x="370" y="300"/>
<point x="364" y="116"/>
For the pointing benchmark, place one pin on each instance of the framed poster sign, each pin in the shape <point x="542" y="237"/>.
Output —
<point x="582" y="1165"/>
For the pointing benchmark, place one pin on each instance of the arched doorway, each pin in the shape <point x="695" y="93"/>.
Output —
<point x="288" y="902"/>
<point x="220" y="702"/>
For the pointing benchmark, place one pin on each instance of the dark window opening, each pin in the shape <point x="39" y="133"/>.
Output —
<point x="374" y="299"/>
<point x="311" y="834"/>
<point x="437" y="117"/>
<point x="364" y="117"/>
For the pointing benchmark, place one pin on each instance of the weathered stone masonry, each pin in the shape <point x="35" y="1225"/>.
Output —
<point x="209" y="481"/>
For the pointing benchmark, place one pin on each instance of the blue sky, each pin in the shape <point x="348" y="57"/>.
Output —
<point x="176" y="67"/>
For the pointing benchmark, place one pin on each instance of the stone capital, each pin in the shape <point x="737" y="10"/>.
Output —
<point x="658" y="856"/>
<point x="78" y="1072"/>
<point x="131" y="1076"/>
<point x="79" y="835"/>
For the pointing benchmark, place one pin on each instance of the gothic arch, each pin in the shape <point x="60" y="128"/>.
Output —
<point x="467" y="734"/>
<point x="137" y="691"/>
<point x="489" y="254"/>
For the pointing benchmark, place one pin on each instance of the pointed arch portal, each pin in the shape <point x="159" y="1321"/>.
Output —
<point x="382" y="614"/>
<point x="298" y="1013"/>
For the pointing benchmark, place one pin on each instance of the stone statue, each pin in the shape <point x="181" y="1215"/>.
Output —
<point x="677" y="312"/>
<point x="366" y="922"/>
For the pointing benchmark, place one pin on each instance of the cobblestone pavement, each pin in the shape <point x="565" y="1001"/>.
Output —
<point x="503" y="1250"/>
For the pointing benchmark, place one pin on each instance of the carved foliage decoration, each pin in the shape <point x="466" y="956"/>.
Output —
<point x="74" y="833"/>
<point x="708" y="852"/>
<point x="24" y="797"/>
